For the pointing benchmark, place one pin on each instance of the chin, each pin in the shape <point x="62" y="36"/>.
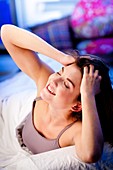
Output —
<point x="45" y="96"/>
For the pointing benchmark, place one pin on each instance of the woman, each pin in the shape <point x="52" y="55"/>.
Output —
<point x="71" y="105"/>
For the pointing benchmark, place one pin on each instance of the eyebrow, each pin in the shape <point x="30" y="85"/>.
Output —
<point x="68" y="78"/>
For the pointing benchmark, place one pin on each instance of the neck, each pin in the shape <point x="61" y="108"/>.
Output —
<point x="59" y="117"/>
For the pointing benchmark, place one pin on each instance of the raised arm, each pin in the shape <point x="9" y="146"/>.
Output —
<point x="89" y="143"/>
<point x="22" y="45"/>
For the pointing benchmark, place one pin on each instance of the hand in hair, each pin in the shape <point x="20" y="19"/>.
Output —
<point x="90" y="81"/>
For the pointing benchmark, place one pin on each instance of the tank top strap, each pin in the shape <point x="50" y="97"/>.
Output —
<point x="67" y="127"/>
<point x="37" y="98"/>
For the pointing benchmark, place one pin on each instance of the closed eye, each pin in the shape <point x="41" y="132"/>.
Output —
<point x="65" y="83"/>
<point x="58" y="73"/>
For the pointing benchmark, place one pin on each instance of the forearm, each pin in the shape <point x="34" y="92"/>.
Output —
<point x="27" y="40"/>
<point x="91" y="136"/>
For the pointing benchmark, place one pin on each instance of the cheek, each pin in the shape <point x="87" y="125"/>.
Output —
<point x="61" y="91"/>
<point x="64" y="94"/>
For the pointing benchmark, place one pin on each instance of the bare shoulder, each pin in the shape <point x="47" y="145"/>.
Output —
<point x="77" y="126"/>
<point x="76" y="131"/>
<point x="71" y="135"/>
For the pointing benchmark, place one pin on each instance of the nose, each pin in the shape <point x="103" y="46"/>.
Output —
<point x="57" y="80"/>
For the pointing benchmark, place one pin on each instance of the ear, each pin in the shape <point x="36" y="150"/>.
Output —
<point x="77" y="107"/>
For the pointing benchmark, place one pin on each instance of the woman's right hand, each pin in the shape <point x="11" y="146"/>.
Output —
<point x="67" y="59"/>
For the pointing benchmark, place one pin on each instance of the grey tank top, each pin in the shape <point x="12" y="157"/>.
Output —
<point x="36" y="142"/>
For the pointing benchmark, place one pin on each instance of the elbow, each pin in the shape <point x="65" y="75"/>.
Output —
<point x="91" y="158"/>
<point x="90" y="154"/>
<point x="4" y="31"/>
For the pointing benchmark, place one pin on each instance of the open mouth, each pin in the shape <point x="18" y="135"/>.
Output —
<point x="50" y="89"/>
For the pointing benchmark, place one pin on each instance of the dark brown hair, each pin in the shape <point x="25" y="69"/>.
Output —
<point x="104" y="100"/>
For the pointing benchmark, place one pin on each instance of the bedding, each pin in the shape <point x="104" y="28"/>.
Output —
<point x="16" y="97"/>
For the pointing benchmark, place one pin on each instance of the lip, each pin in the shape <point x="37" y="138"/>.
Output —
<point x="50" y="91"/>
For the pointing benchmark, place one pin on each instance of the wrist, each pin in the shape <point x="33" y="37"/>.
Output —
<point x="66" y="59"/>
<point x="87" y="95"/>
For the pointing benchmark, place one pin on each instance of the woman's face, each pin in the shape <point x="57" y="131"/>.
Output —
<point x="63" y="87"/>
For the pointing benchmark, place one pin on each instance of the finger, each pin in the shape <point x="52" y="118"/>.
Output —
<point x="100" y="78"/>
<point x="97" y="76"/>
<point x="86" y="70"/>
<point x="96" y="73"/>
<point x="91" y="71"/>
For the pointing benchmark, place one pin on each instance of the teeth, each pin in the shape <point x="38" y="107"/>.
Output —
<point x="49" y="88"/>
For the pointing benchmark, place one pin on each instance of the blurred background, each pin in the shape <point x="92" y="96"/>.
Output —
<point x="27" y="14"/>
<point x="66" y="24"/>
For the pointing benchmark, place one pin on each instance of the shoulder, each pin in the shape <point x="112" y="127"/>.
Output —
<point x="71" y="134"/>
<point x="76" y="131"/>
